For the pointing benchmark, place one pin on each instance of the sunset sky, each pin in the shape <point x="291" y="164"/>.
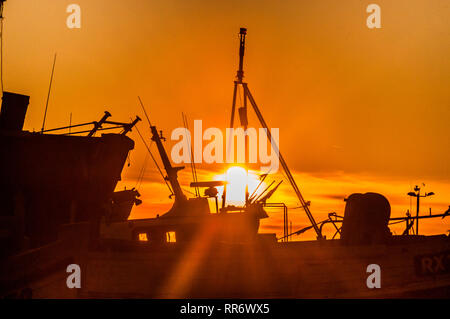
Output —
<point x="358" y="109"/>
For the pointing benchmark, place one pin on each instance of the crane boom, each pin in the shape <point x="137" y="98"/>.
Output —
<point x="243" y="110"/>
<point x="283" y="162"/>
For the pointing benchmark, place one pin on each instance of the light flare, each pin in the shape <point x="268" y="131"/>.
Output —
<point x="238" y="178"/>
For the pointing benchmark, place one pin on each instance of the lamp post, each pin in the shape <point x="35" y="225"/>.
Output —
<point x="416" y="194"/>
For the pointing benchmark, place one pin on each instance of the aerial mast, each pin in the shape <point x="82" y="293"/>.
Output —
<point x="242" y="110"/>
<point x="417" y="194"/>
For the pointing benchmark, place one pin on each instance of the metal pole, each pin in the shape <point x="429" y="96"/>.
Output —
<point x="48" y="95"/>
<point x="417" y="214"/>
<point x="99" y="124"/>
<point x="247" y="157"/>
<point x="233" y="105"/>
<point x="171" y="171"/>
<point x="240" y="73"/>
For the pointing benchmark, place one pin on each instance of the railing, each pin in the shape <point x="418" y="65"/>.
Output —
<point x="98" y="126"/>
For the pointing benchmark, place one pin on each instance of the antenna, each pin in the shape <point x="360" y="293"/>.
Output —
<point x="48" y="95"/>
<point x="145" y="112"/>
<point x="1" y="43"/>
<point x="256" y="189"/>
<point x="193" y="168"/>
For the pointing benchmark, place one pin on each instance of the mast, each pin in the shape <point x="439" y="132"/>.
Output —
<point x="242" y="110"/>
<point x="417" y="194"/>
<point x="172" y="172"/>
<point x="240" y="72"/>
<point x="244" y="122"/>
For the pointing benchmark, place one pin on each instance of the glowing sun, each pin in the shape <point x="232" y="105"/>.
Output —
<point x="238" y="178"/>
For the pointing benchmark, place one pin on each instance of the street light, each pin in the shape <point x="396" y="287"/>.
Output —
<point x="416" y="194"/>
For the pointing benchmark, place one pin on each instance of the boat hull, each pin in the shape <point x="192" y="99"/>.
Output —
<point x="263" y="269"/>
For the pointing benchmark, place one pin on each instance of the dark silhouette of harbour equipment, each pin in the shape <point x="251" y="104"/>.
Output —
<point x="366" y="219"/>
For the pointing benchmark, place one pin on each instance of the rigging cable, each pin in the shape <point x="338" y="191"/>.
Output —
<point x="191" y="155"/>
<point x="145" y="112"/>
<point x="142" y="172"/>
<point x="48" y="95"/>
<point x="1" y="45"/>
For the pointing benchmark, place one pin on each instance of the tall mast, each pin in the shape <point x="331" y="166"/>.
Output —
<point x="242" y="110"/>
<point x="244" y="123"/>
<point x="240" y="72"/>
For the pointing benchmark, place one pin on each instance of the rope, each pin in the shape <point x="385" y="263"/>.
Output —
<point x="142" y="172"/>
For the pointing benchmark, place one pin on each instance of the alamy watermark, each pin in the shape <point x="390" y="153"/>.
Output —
<point x="374" y="279"/>
<point x="74" y="279"/>
<point x="373" y="21"/>
<point x="228" y="149"/>
<point x="73" y="21"/>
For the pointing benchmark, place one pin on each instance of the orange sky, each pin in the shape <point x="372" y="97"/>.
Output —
<point x="357" y="109"/>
